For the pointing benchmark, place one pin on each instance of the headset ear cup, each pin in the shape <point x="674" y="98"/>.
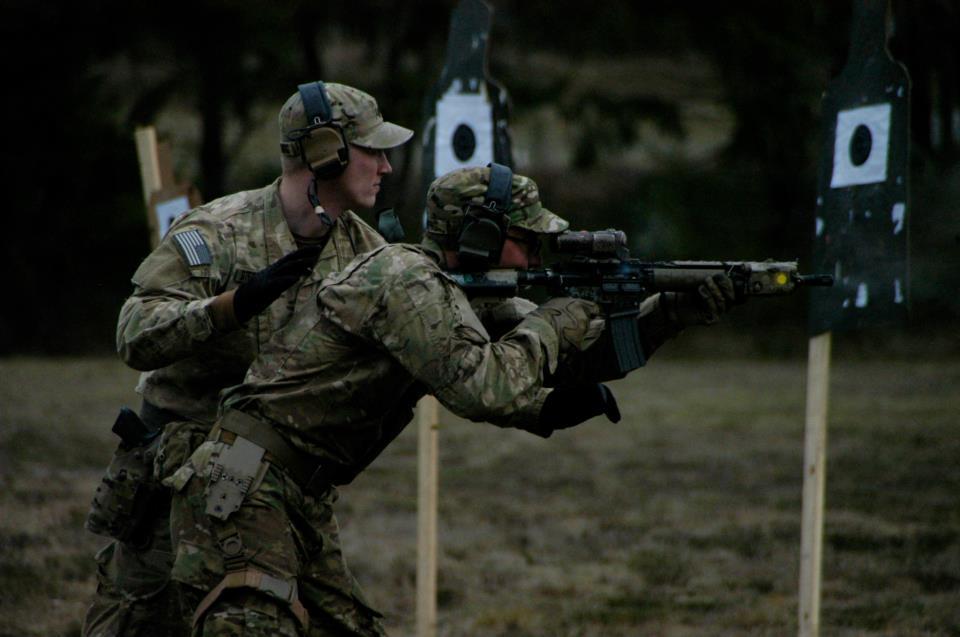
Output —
<point x="325" y="151"/>
<point x="481" y="241"/>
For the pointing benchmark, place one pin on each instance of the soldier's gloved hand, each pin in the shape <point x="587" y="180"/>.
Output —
<point x="576" y="321"/>
<point x="569" y="406"/>
<point x="704" y="306"/>
<point x="266" y="286"/>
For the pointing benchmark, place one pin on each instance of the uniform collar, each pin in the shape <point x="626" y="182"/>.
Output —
<point x="276" y="231"/>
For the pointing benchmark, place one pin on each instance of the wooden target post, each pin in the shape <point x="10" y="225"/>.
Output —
<point x="814" y="482"/>
<point x="427" y="493"/>
<point x="861" y="238"/>
<point x="164" y="198"/>
<point x="465" y="125"/>
<point x="151" y="178"/>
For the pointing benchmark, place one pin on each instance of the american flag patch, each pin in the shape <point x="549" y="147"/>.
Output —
<point x="193" y="248"/>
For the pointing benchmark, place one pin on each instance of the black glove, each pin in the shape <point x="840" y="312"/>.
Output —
<point x="569" y="406"/>
<point x="704" y="306"/>
<point x="266" y="286"/>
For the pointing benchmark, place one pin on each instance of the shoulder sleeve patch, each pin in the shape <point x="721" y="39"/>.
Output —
<point x="193" y="247"/>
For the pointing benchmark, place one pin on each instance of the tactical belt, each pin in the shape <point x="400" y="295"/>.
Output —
<point x="157" y="417"/>
<point x="305" y="470"/>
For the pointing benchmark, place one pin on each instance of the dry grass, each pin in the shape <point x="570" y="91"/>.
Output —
<point x="683" y="519"/>
<point x="55" y="419"/>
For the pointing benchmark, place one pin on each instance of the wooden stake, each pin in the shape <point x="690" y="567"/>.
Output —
<point x="814" y="481"/>
<point x="150" y="174"/>
<point x="427" y="416"/>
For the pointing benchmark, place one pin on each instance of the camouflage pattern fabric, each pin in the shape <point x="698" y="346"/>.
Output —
<point x="575" y="321"/>
<point x="126" y="494"/>
<point x="302" y="549"/>
<point x="338" y="385"/>
<point x="164" y="327"/>
<point x="133" y="596"/>
<point x="389" y="320"/>
<point x="354" y="111"/>
<point x="500" y="316"/>
<point x="449" y="196"/>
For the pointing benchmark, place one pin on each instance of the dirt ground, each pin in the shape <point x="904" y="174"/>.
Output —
<point x="683" y="519"/>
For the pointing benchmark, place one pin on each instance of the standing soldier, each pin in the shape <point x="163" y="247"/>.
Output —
<point x="257" y="548"/>
<point x="203" y="306"/>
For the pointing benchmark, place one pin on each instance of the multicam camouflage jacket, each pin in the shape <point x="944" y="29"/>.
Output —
<point x="384" y="332"/>
<point x="164" y="327"/>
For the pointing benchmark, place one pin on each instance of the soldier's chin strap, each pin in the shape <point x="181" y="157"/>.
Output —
<point x="315" y="202"/>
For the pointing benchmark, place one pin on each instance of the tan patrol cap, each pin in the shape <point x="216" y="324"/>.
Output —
<point x="354" y="111"/>
<point x="450" y="194"/>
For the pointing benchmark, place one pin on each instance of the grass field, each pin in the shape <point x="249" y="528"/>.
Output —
<point x="683" y="519"/>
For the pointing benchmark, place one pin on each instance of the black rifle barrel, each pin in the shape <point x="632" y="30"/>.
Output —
<point x="608" y="278"/>
<point x="820" y="280"/>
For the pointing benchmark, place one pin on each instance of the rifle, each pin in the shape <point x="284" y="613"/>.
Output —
<point x="599" y="269"/>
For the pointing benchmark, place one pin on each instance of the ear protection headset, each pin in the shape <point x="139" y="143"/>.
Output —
<point x="321" y="144"/>
<point x="485" y="225"/>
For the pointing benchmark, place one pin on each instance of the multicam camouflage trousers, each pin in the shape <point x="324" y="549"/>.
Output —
<point x="273" y="567"/>
<point x="134" y="595"/>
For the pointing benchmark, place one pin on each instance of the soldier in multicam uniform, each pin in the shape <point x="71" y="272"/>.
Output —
<point x="204" y="305"/>
<point x="256" y="541"/>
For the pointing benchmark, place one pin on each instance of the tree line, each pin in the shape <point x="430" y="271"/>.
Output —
<point x="80" y="76"/>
